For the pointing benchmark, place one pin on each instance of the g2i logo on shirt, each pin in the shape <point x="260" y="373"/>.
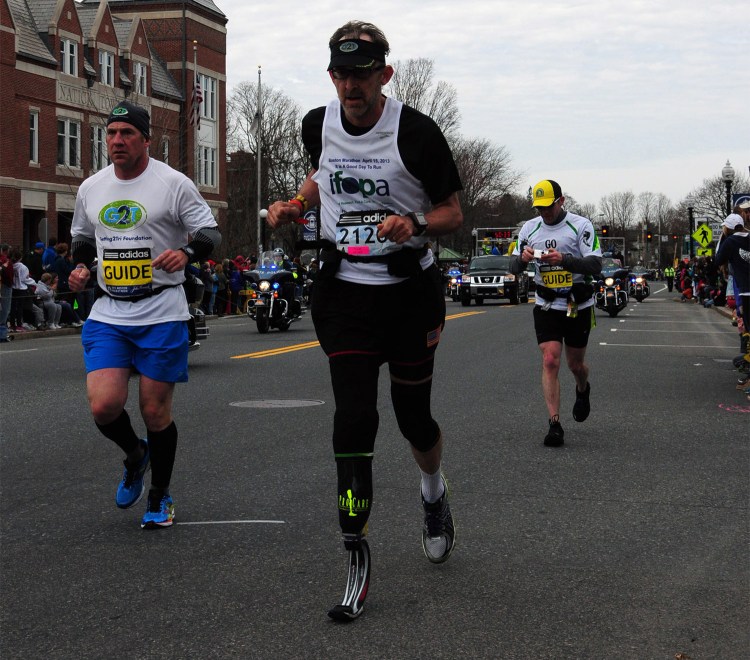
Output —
<point x="122" y="215"/>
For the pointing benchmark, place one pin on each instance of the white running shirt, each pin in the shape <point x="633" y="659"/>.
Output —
<point x="133" y="221"/>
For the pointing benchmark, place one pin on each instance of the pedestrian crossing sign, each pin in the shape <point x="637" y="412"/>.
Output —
<point x="704" y="252"/>
<point x="703" y="235"/>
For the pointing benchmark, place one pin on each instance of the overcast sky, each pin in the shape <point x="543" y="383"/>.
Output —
<point x="603" y="97"/>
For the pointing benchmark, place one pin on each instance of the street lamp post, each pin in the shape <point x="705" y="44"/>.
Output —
<point x="727" y="175"/>
<point x="690" y="201"/>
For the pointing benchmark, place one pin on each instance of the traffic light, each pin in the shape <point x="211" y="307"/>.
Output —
<point x="649" y="235"/>
<point x="605" y="230"/>
<point x="674" y="237"/>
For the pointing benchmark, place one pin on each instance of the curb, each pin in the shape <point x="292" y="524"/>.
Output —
<point x="40" y="334"/>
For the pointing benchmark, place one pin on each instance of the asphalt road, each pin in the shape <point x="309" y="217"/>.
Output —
<point x="631" y="541"/>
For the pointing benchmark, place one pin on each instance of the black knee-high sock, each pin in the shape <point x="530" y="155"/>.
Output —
<point x="121" y="433"/>
<point x="163" y="448"/>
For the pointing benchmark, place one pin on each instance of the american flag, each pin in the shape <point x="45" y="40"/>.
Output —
<point x="195" y="110"/>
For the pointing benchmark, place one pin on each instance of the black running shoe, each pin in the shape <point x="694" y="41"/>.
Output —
<point x="438" y="532"/>
<point x="582" y="407"/>
<point x="555" y="435"/>
<point x="357" y="582"/>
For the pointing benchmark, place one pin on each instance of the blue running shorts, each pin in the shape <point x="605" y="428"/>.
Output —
<point x="159" y="351"/>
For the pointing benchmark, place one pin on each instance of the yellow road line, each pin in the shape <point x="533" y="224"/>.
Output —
<point x="462" y="315"/>
<point x="313" y="344"/>
<point x="278" y="351"/>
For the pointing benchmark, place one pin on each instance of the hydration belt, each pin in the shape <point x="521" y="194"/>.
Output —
<point x="579" y="292"/>
<point x="402" y="263"/>
<point x="153" y="292"/>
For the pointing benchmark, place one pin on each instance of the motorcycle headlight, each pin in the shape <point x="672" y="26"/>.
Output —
<point x="265" y="285"/>
<point x="609" y="281"/>
<point x="453" y="280"/>
<point x="510" y="278"/>
<point x="639" y="280"/>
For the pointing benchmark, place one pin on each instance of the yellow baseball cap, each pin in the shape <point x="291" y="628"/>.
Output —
<point x="545" y="193"/>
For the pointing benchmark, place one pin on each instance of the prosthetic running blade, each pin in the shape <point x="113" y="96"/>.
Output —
<point x="357" y="584"/>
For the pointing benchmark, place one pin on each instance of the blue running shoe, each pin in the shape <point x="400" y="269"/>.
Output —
<point x="159" y="510"/>
<point x="131" y="488"/>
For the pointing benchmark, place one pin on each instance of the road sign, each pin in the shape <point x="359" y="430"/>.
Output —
<point x="704" y="252"/>
<point x="703" y="235"/>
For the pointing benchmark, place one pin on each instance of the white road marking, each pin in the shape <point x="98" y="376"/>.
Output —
<point x="234" y="522"/>
<point x="726" y="348"/>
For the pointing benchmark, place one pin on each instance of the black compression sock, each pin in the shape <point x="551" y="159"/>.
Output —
<point x="122" y="434"/>
<point x="163" y="448"/>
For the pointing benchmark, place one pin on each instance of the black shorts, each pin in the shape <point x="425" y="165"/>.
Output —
<point x="556" y="325"/>
<point x="399" y="323"/>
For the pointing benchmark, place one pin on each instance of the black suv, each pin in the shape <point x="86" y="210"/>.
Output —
<point x="489" y="276"/>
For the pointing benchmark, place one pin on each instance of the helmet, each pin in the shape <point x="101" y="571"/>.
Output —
<point x="278" y="252"/>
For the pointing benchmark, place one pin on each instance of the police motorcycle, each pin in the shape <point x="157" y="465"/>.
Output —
<point x="453" y="283"/>
<point x="269" y="282"/>
<point x="610" y="295"/>
<point x="639" y="287"/>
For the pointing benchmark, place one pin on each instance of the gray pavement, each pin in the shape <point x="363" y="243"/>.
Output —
<point x="629" y="542"/>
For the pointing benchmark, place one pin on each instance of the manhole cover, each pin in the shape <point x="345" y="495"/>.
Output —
<point x="277" y="403"/>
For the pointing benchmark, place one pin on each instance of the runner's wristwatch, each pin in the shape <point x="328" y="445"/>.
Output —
<point x="420" y="222"/>
<point x="189" y="252"/>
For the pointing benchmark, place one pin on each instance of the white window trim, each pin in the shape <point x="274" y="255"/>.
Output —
<point x="140" y="73"/>
<point x="106" y="66"/>
<point x="67" y="137"/>
<point x="209" y="86"/>
<point x="65" y="54"/>
<point x="34" y="136"/>
<point x="99" y="153"/>
<point x="165" y="150"/>
<point x="207" y="175"/>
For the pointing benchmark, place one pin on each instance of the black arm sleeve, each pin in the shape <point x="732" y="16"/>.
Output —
<point x="83" y="250"/>
<point x="591" y="265"/>
<point x="205" y="241"/>
<point x="312" y="134"/>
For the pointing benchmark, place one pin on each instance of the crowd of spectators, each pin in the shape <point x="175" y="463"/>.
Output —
<point x="35" y="292"/>
<point x="36" y="295"/>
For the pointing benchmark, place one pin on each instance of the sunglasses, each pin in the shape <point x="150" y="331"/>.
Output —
<point x="339" y="73"/>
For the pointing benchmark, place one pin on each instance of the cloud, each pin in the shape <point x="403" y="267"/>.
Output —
<point x="616" y="95"/>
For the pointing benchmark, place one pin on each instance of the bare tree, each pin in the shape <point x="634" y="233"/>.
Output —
<point x="487" y="177"/>
<point x="654" y="210"/>
<point x="284" y="163"/>
<point x="587" y="210"/>
<point x="412" y="83"/>
<point x="619" y="212"/>
<point x="710" y="198"/>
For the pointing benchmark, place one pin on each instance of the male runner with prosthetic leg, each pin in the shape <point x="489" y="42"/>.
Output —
<point x="384" y="178"/>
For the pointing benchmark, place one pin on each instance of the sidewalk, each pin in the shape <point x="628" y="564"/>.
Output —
<point x="38" y="334"/>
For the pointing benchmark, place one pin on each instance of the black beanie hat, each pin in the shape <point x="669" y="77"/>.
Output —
<point x="131" y="114"/>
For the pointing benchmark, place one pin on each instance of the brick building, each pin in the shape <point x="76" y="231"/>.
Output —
<point x="65" y="64"/>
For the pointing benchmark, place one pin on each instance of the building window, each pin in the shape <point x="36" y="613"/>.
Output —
<point x="99" y="155"/>
<point x="208" y="107"/>
<point x="207" y="167"/>
<point x="34" y="137"/>
<point x="106" y="68"/>
<point x="69" y="56"/>
<point x="68" y="142"/>
<point x="165" y="151"/>
<point x="139" y="73"/>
